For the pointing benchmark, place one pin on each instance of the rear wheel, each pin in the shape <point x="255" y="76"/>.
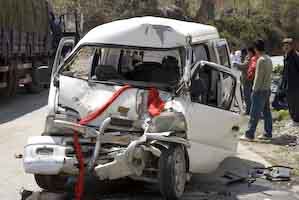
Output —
<point x="172" y="172"/>
<point x="11" y="80"/>
<point x="51" y="182"/>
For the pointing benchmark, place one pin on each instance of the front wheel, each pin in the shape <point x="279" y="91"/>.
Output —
<point x="51" y="182"/>
<point x="172" y="172"/>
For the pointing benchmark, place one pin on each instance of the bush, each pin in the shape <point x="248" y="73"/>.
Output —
<point x="278" y="69"/>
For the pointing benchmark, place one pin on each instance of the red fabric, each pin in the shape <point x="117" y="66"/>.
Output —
<point x="99" y="111"/>
<point x="251" y="68"/>
<point x="79" y="188"/>
<point x="155" y="103"/>
<point x="79" y="155"/>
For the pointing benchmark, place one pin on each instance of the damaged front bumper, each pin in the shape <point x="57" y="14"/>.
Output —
<point x="49" y="155"/>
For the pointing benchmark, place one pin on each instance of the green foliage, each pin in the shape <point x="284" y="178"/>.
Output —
<point x="249" y="19"/>
<point x="242" y="29"/>
<point x="278" y="69"/>
<point x="283" y="115"/>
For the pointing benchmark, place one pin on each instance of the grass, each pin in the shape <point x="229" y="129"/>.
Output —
<point x="280" y="115"/>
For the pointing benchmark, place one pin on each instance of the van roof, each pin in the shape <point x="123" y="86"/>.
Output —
<point x="152" y="32"/>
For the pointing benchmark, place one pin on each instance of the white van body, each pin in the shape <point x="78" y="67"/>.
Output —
<point x="197" y="125"/>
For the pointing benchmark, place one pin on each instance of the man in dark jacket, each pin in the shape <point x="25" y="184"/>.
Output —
<point x="290" y="81"/>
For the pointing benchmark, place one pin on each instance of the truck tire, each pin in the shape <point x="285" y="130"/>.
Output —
<point x="51" y="182"/>
<point x="172" y="172"/>
<point x="12" y="81"/>
<point x="35" y="86"/>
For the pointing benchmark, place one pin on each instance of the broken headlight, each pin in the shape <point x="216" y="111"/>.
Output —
<point x="168" y="121"/>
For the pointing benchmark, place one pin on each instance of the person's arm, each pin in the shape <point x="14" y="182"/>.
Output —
<point x="259" y="73"/>
<point x="242" y="66"/>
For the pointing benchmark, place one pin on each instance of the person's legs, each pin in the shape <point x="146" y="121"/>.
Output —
<point x="268" y="123"/>
<point x="257" y="106"/>
<point x="293" y="103"/>
<point x="247" y="95"/>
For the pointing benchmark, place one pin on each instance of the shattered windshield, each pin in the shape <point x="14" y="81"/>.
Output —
<point x="126" y="66"/>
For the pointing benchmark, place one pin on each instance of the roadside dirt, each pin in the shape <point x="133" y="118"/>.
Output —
<point x="283" y="149"/>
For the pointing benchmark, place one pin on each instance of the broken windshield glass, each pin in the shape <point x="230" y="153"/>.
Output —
<point x="123" y="66"/>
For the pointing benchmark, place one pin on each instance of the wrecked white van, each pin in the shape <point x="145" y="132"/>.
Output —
<point x="151" y="99"/>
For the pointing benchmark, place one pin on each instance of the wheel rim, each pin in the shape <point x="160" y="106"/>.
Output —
<point x="180" y="172"/>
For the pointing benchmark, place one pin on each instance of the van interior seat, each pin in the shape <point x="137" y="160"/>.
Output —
<point x="107" y="72"/>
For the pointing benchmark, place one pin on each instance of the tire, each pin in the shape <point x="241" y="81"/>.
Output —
<point x="51" y="182"/>
<point x="172" y="172"/>
<point x="35" y="86"/>
<point x="14" y="81"/>
<point x="11" y="80"/>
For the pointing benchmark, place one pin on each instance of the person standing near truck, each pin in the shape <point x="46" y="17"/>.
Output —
<point x="260" y="94"/>
<point x="290" y="80"/>
<point x="248" y="66"/>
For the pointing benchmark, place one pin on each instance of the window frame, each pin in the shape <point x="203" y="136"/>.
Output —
<point x="196" y="70"/>
<point x="219" y="44"/>
<point x="70" y="59"/>
<point x="101" y="45"/>
<point x="205" y="46"/>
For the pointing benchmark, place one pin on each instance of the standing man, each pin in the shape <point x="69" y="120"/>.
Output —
<point x="290" y="80"/>
<point x="248" y="72"/>
<point x="260" y="94"/>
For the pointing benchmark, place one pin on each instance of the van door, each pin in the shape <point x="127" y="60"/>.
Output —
<point x="65" y="47"/>
<point x="223" y="56"/>
<point x="212" y="122"/>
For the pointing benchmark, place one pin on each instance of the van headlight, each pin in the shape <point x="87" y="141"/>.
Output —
<point x="168" y="121"/>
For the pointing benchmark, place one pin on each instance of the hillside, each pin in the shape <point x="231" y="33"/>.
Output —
<point x="241" y="21"/>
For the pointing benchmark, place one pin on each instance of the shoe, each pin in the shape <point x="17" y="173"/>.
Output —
<point x="245" y="138"/>
<point x="264" y="137"/>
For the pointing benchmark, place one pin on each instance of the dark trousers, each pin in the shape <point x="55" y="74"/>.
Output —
<point x="247" y="90"/>
<point x="293" y="103"/>
<point x="260" y="104"/>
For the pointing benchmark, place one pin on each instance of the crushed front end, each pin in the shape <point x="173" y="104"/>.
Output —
<point x="120" y="147"/>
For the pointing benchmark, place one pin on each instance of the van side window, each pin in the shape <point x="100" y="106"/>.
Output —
<point x="80" y="65"/>
<point x="223" y="55"/>
<point x="200" y="53"/>
<point x="219" y="95"/>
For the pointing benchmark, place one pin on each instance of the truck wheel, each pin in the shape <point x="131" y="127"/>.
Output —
<point x="35" y="86"/>
<point x="172" y="172"/>
<point x="12" y="81"/>
<point x="51" y="182"/>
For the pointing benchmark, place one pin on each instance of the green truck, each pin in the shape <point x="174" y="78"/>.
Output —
<point x="29" y="36"/>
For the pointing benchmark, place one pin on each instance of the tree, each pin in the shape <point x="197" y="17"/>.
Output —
<point x="206" y="11"/>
